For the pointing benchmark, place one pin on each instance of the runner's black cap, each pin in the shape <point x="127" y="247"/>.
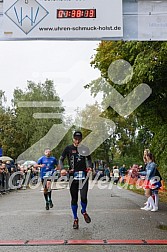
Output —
<point x="77" y="134"/>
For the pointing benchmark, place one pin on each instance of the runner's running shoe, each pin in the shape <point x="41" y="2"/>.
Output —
<point x="47" y="205"/>
<point x="86" y="217"/>
<point x="75" y="224"/>
<point x="50" y="203"/>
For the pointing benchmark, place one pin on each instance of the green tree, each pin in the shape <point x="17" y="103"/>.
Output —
<point x="34" y="129"/>
<point x="88" y="119"/>
<point x="149" y="60"/>
<point x="9" y="136"/>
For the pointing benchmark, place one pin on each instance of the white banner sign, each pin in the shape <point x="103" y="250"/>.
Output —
<point x="152" y="20"/>
<point x="62" y="19"/>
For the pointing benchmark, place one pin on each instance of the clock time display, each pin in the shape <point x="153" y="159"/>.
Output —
<point x="76" y="13"/>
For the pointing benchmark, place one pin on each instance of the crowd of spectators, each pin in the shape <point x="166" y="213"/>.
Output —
<point x="9" y="168"/>
<point x="101" y="169"/>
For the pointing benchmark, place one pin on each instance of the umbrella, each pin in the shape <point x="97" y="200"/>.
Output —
<point x="29" y="162"/>
<point x="5" y="158"/>
<point x="20" y="162"/>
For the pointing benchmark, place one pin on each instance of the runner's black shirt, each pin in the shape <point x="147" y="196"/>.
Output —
<point x="75" y="160"/>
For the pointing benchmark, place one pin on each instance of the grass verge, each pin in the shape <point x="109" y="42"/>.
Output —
<point x="162" y="194"/>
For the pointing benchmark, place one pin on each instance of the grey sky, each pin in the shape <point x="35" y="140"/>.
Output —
<point x="67" y="63"/>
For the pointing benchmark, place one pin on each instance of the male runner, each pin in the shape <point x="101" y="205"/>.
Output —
<point x="47" y="164"/>
<point x="78" y="172"/>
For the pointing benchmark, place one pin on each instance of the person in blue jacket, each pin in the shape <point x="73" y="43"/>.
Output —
<point x="152" y="183"/>
<point x="47" y="165"/>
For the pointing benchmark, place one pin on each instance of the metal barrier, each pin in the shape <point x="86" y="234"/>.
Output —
<point x="16" y="180"/>
<point x="4" y="178"/>
<point x="8" y="183"/>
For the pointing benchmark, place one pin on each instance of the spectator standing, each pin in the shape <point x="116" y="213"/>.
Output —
<point x="151" y="186"/>
<point x="122" y="172"/>
<point x="115" y="174"/>
<point x="107" y="172"/>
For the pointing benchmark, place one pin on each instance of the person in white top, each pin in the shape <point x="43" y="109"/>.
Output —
<point x="116" y="174"/>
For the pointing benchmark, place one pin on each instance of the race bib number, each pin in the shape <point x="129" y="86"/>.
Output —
<point x="79" y="175"/>
<point x="48" y="174"/>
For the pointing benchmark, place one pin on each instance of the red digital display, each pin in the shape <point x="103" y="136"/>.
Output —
<point x="76" y="13"/>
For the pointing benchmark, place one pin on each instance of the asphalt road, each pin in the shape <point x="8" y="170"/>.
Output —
<point x="115" y="214"/>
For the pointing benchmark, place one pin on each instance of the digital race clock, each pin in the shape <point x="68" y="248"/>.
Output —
<point x="76" y="13"/>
